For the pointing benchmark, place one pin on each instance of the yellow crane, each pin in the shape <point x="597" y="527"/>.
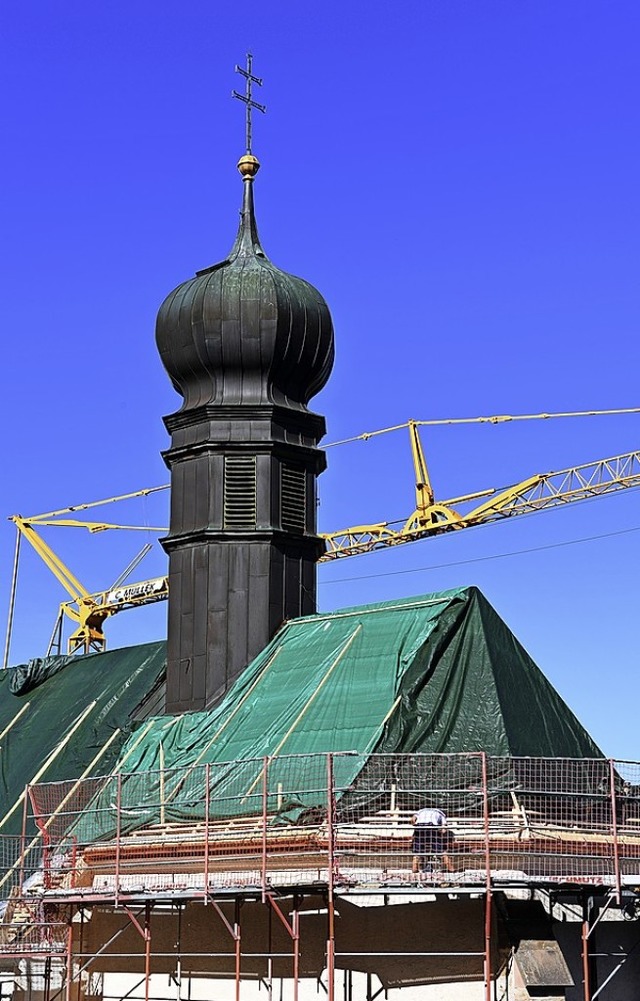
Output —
<point x="88" y="611"/>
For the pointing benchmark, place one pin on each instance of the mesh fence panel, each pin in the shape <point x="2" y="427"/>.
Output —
<point x="550" y="819"/>
<point x="233" y="812"/>
<point x="628" y="816"/>
<point x="296" y="796"/>
<point x="20" y="863"/>
<point x="87" y="807"/>
<point x="375" y="833"/>
<point x="32" y="939"/>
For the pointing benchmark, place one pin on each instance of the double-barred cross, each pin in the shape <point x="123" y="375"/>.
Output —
<point x="246" y="98"/>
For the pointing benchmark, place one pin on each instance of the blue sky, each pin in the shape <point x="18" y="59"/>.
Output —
<point x="459" y="180"/>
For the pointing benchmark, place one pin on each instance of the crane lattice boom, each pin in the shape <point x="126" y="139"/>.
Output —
<point x="536" y="493"/>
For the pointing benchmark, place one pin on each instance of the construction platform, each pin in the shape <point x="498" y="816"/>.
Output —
<point x="133" y="872"/>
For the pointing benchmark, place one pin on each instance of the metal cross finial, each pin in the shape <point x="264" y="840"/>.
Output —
<point x="246" y="97"/>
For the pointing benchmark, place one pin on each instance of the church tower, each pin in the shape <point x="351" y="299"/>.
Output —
<point x="247" y="346"/>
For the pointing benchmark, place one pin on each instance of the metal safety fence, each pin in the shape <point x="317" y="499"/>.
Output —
<point x="21" y="863"/>
<point x="339" y="819"/>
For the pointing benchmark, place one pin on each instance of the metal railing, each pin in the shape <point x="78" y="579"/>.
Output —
<point x="342" y="819"/>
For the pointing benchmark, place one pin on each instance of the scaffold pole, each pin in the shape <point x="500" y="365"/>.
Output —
<point x="147" y="950"/>
<point x="118" y="835"/>
<point x="330" y="880"/>
<point x="488" y="915"/>
<point x="265" y="803"/>
<point x="586" y="972"/>
<point x="69" y="958"/>
<point x="207" y="809"/>
<point x="614" y="830"/>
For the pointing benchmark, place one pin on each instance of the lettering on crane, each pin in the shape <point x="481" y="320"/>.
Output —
<point x="145" y="589"/>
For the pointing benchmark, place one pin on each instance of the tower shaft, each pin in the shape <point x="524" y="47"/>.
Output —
<point x="242" y="545"/>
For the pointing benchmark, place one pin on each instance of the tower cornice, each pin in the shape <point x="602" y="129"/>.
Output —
<point x="285" y="418"/>
<point x="312" y="457"/>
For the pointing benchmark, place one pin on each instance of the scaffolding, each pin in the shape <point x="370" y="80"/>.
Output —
<point x="255" y="870"/>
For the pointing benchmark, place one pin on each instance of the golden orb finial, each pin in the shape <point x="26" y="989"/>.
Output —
<point x="248" y="165"/>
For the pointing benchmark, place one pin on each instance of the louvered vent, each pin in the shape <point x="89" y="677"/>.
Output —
<point x="240" y="491"/>
<point x="294" y="499"/>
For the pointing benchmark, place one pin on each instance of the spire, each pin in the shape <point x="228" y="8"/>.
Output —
<point x="247" y="242"/>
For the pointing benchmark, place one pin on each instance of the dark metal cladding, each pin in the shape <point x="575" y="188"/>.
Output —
<point x="247" y="346"/>
<point x="245" y="332"/>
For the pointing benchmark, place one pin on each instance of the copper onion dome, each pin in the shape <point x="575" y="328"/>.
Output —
<point x="243" y="331"/>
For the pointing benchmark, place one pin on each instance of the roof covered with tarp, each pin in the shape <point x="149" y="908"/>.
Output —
<point x="437" y="673"/>
<point x="434" y="674"/>
<point x="59" y="715"/>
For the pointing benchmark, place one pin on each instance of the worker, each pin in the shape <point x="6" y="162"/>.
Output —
<point x="430" y="839"/>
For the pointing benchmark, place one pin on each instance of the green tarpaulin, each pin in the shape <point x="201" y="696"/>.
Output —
<point x="58" y="713"/>
<point x="439" y="673"/>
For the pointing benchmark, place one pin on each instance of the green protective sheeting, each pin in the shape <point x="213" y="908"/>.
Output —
<point x="439" y="673"/>
<point x="53" y="695"/>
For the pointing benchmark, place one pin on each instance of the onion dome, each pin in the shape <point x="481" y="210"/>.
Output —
<point x="244" y="332"/>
